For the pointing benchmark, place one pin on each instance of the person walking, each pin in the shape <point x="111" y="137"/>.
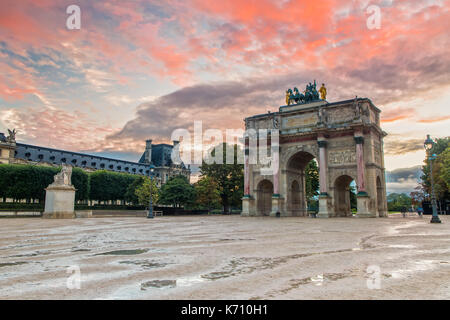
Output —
<point x="420" y="212"/>
<point x="403" y="211"/>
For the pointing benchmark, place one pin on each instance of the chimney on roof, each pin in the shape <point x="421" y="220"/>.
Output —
<point x="148" y="151"/>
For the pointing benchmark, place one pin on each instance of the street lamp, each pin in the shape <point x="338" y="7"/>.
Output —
<point x="428" y="144"/>
<point x="150" y="208"/>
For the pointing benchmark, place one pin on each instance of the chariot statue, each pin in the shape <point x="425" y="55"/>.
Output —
<point x="310" y="94"/>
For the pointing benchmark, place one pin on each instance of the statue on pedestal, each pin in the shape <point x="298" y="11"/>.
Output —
<point x="64" y="177"/>
<point x="60" y="195"/>
<point x="12" y="136"/>
<point x="323" y="92"/>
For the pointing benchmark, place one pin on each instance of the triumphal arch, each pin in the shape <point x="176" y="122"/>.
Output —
<point x="346" y="140"/>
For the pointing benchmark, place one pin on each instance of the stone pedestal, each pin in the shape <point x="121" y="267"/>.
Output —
<point x="276" y="205"/>
<point x="246" y="206"/>
<point x="325" y="207"/>
<point x="362" y="201"/>
<point x="59" y="202"/>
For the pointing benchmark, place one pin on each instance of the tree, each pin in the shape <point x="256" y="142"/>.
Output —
<point x="417" y="196"/>
<point x="444" y="173"/>
<point x="312" y="180"/>
<point x="177" y="191"/>
<point x="396" y="201"/>
<point x="441" y="174"/>
<point x="440" y="183"/>
<point x="143" y="190"/>
<point x="229" y="178"/>
<point x="353" y="198"/>
<point x="207" y="193"/>
<point x="106" y="185"/>
<point x="130" y="194"/>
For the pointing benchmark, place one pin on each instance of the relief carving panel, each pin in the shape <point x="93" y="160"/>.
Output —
<point x="301" y="120"/>
<point x="342" y="157"/>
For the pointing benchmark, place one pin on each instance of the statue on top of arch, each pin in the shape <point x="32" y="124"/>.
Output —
<point x="309" y="95"/>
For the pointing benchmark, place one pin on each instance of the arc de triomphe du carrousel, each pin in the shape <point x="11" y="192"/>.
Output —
<point x="344" y="137"/>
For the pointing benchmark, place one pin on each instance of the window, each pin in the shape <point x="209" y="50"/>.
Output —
<point x="74" y="161"/>
<point x="41" y="156"/>
<point x="52" y="158"/>
<point x="111" y="166"/>
<point x="93" y="164"/>
<point x="102" y="165"/>
<point x="83" y="163"/>
<point x="63" y="160"/>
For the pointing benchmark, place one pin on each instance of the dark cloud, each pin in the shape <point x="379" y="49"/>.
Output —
<point x="395" y="145"/>
<point x="403" y="180"/>
<point x="225" y="104"/>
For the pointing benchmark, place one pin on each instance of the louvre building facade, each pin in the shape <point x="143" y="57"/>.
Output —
<point x="159" y="155"/>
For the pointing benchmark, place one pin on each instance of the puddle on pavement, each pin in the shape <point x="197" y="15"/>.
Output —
<point x="122" y="252"/>
<point x="80" y="250"/>
<point x="8" y="264"/>
<point x="32" y="254"/>
<point x="226" y="239"/>
<point x="159" y="284"/>
<point x="146" y="264"/>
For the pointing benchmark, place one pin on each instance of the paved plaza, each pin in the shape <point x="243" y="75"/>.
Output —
<point x="225" y="257"/>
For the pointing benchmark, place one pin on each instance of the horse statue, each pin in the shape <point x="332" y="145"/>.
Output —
<point x="295" y="96"/>
<point x="311" y="93"/>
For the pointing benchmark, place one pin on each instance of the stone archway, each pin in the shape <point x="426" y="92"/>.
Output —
<point x="264" y="198"/>
<point x="342" y="205"/>
<point x="344" y="137"/>
<point x="296" y="183"/>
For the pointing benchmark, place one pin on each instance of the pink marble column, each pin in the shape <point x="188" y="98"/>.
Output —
<point x="322" y="167"/>
<point x="360" y="164"/>
<point x="246" y="172"/>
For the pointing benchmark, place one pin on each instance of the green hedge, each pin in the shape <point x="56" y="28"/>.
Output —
<point x="19" y="181"/>
<point x="106" y="185"/>
<point x="17" y="206"/>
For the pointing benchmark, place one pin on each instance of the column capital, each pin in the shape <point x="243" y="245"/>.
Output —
<point x="359" y="139"/>
<point x="322" y="143"/>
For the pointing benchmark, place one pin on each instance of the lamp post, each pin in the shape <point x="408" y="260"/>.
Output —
<point x="428" y="144"/>
<point x="150" y="208"/>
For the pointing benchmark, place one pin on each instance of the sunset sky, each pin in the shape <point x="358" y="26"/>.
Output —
<point x="140" y="69"/>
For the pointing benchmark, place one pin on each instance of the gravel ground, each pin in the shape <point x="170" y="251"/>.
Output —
<point x="225" y="257"/>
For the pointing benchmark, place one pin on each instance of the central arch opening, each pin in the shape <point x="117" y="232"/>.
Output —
<point x="344" y="196"/>
<point x="302" y="184"/>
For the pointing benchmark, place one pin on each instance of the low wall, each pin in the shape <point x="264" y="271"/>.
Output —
<point x="119" y="213"/>
<point x="20" y="214"/>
